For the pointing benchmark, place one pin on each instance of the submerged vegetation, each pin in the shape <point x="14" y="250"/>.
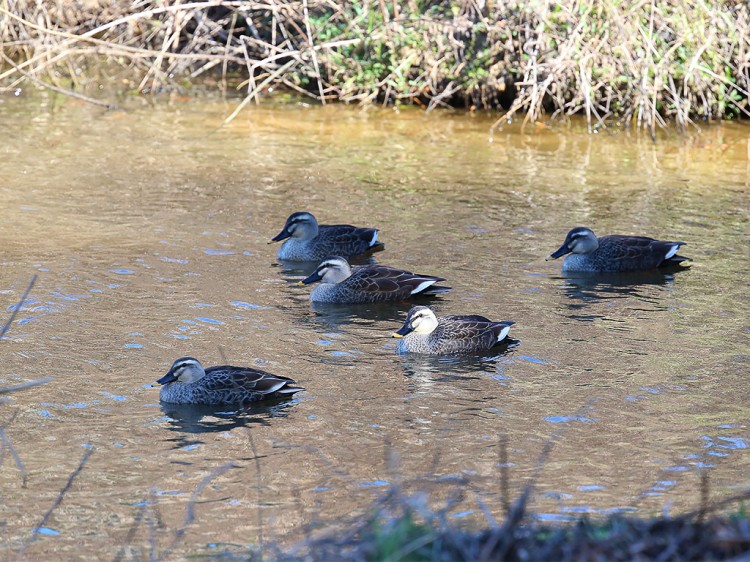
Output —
<point x="633" y="61"/>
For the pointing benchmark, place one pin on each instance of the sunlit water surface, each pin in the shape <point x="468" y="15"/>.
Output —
<point x="148" y="230"/>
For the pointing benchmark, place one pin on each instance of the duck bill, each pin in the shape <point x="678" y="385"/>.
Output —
<point x="561" y="251"/>
<point x="404" y="331"/>
<point x="166" y="379"/>
<point x="312" y="279"/>
<point x="283" y="235"/>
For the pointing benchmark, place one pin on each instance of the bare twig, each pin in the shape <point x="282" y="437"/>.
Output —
<point x="312" y="51"/>
<point x="16" y="308"/>
<point x="24" y="386"/>
<point x="57" y="89"/>
<point x="190" y="508"/>
<point x="60" y="496"/>
<point x="258" y="480"/>
<point x="6" y="444"/>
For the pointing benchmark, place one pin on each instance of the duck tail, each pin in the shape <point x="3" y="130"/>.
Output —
<point x="289" y="389"/>
<point x="436" y="290"/>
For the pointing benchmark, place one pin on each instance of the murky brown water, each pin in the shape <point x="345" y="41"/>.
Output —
<point x="149" y="235"/>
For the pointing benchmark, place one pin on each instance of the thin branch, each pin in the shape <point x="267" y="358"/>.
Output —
<point x="190" y="509"/>
<point x="36" y="532"/>
<point x="312" y="49"/>
<point x="24" y="386"/>
<point x="20" y="303"/>
<point x="57" y="89"/>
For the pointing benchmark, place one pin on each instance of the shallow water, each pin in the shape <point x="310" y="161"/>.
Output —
<point x="148" y="229"/>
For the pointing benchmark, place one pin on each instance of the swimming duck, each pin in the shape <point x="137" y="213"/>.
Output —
<point x="423" y="332"/>
<point x="309" y="241"/>
<point x="615" y="253"/>
<point x="371" y="283"/>
<point x="187" y="382"/>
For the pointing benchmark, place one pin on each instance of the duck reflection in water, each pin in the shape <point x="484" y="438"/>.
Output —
<point x="360" y="321"/>
<point x="588" y="287"/>
<point x="428" y="371"/>
<point x="338" y="314"/>
<point x="295" y="271"/>
<point x="193" y="418"/>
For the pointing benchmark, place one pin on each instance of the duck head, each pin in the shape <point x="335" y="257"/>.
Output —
<point x="299" y="225"/>
<point x="185" y="370"/>
<point x="331" y="270"/>
<point x="420" y="320"/>
<point x="580" y="240"/>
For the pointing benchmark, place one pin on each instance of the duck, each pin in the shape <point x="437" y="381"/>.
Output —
<point x="306" y="240"/>
<point x="368" y="284"/>
<point x="616" y="253"/>
<point x="187" y="382"/>
<point x="423" y="332"/>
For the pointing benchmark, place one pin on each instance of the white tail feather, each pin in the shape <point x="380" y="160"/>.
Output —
<point x="672" y="251"/>
<point x="422" y="286"/>
<point x="504" y="332"/>
<point x="374" y="238"/>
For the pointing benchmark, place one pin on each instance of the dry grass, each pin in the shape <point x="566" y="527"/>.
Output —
<point x="403" y="529"/>
<point x="639" y="62"/>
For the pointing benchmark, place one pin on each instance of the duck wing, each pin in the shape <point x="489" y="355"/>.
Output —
<point x="224" y="378"/>
<point x="396" y="282"/>
<point x="358" y="240"/>
<point x="475" y="331"/>
<point x="469" y="318"/>
<point x="639" y="252"/>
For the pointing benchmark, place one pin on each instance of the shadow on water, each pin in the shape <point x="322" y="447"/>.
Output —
<point x="193" y="418"/>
